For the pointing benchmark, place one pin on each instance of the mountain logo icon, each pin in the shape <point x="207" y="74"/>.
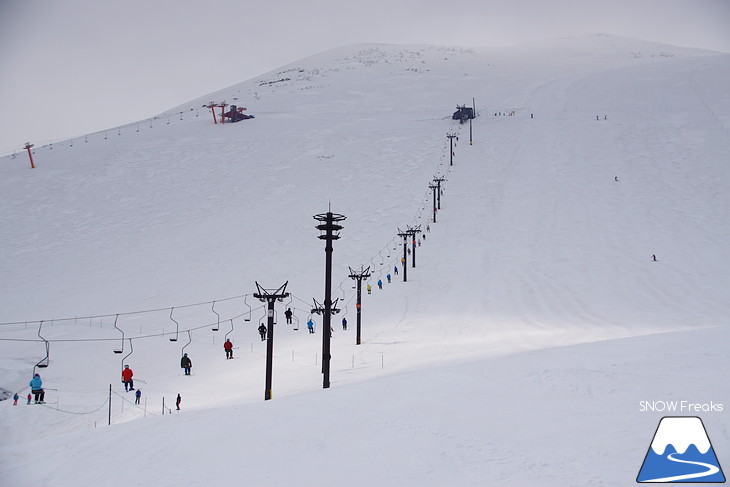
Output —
<point x="681" y="452"/>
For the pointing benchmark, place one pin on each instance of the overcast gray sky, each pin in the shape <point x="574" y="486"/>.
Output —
<point x="70" y="67"/>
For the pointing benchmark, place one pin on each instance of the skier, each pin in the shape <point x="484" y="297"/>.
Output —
<point x="15" y="399"/>
<point x="262" y="332"/>
<point x="380" y="284"/>
<point x="653" y="257"/>
<point x="615" y="178"/>
<point x="395" y="270"/>
<point x="388" y="277"/>
<point x="288" y="313"/>
<point x="424" y="237"/>
<point x="178" y="401"/>
<point x="137" y="396"/>
<point x="36" y="387"/>
<point x="127" y="378"/>
<point x="370" y="289"/>
<point x="344" y="323"/>
<point x="228" y="347"/>
<point x="186" y="363"/>
<point x="310" y="325"/>
<point x="428" y="228"/>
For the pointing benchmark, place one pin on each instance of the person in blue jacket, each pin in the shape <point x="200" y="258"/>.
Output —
<point x="388" y="276"/>
<point x="36" y="386"/>
<point x="310" y="325"/>
<point x="380" y="284"/>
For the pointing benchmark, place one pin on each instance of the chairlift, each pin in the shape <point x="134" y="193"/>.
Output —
<point x="177" y="326"/>
<point x="296" y="323"/>
<point x="43" y="363"/>
<point x="231" y="331"/>
<point x="218" y="322"/>
<point x="190" y="339"/>
<point x="131" y="351"/>
<point x="119" y="350"/>
<point x="247" y="318"/>
<point x="381" y="257"/>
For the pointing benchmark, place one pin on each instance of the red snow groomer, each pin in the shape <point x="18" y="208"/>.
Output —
<point x="235" y="114"/>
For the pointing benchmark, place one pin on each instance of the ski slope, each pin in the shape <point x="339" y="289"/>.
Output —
<point x="517" y="351"/>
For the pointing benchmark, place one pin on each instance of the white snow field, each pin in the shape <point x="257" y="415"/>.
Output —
<point x="521" y="351"/>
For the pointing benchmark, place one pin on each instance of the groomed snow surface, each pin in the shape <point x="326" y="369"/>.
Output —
<point x="516" y="354"/>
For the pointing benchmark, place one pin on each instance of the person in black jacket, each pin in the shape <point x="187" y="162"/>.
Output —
<point x="186" y="363"/>
<point x="262" y="331"/>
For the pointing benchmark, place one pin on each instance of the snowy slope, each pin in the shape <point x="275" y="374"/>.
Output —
<point x="458" y="379"/>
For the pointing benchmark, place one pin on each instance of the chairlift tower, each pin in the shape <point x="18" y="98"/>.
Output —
<point x="329" y="231"/>
<point x="438" y="182"/>
<point x="404" y="260"/>
<point x="359" y="276"/>
<point x="434" y="187"/>
<point x="412" y="231"/>
<point x="271" y="296"/>
<point x="452" y="136"/>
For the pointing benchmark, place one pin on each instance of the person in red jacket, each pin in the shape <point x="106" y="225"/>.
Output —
<point x="127" y="378"/>
<point x="228" y="347"/>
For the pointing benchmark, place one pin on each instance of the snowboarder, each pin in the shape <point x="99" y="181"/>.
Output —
<point x="36" y="387"/>
<point x="288" y="313"/>
<point x="310" y="325"/>
<point x="388" y="277"/>
<point x="178" y="401"/>
<point x="344" y="323"/>
<point x="137" y="396"/>
<point x="127" y="378"/>
<point x="186" y="363"/>
<point x="15" y="399"/>
<point x="262" y="331"/>
<point x="228" y="347"/>
<point x="380" y="284"/>
<point x="370" y="289"/>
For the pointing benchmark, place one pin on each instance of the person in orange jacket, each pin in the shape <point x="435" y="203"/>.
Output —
<point x="127" y="378"/>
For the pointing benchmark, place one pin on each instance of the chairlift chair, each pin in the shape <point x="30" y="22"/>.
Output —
<point x="226" y="337"/>
<point x="177" y="326"/>
<point x="119" y="350"/>
<point x="218" y="322"/>
<point x="131" y="351"/>
<point x="43" y="363"/>
<point x="247" y="318"/>
<point x="190" y="340"/>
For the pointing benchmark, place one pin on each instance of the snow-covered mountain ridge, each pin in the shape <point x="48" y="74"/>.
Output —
<point x="535" y="301"/>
